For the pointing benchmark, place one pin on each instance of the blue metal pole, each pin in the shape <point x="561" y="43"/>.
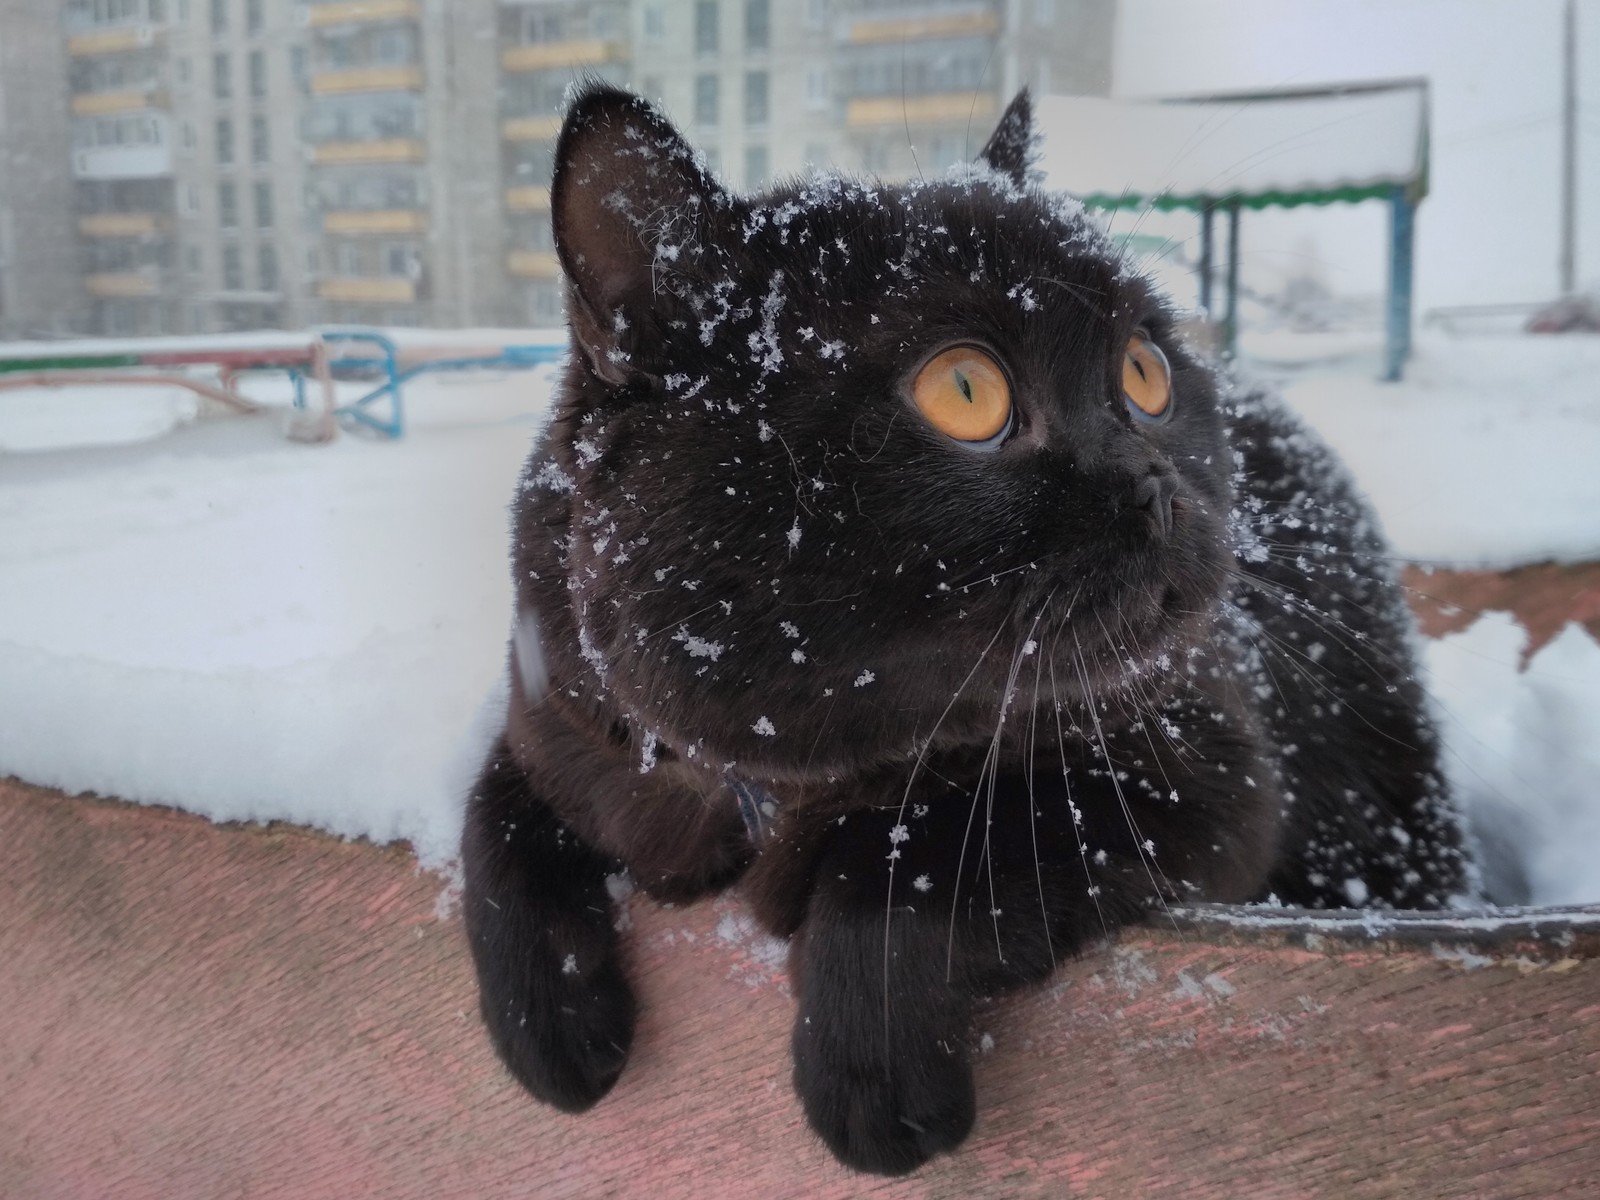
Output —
<point x="1231" y="328"/>
<point x="1402" y="246"/>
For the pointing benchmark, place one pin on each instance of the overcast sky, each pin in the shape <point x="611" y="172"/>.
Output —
<point x="1488" y="230"/>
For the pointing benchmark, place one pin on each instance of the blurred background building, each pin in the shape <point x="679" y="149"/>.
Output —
<point x="204" y="165"/>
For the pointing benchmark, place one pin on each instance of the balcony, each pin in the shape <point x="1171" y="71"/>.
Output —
<point x="530" y="129"/>
<point x="362" y="12"/>
<point x="381" y="150"/>
<point x="528" y="199"/>
<point x="541" y="56"/>
<point x="123" y="162"/>
<point x="976" y="22"/>
<point x="367" y="79"/>
<point x="949" y="108"/>
<point x="375" y="221"/>
<point x="119" y="284"/>
<point x="123" y="225"/>
<point x="363" y="290"/>
<point x="533" y="264"/>
<point x="126" y="100"/>
<point x="113" y="41"/>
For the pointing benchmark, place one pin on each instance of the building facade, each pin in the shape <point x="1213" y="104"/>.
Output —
<point x="205" y="165"/>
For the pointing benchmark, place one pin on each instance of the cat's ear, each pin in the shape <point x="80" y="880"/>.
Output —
<point x="628" y="200"/>
<point x="1012" y="146"/>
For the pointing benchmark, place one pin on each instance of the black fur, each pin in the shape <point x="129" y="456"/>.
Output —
<point x="1004" y="701"/>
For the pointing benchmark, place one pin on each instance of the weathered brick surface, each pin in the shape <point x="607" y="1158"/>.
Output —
<point x="195" y="1011"/>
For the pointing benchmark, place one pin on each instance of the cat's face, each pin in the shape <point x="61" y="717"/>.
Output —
<point x="852" y="461"/>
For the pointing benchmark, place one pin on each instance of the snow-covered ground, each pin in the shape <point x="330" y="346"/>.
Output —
<point x="201" y="613"/>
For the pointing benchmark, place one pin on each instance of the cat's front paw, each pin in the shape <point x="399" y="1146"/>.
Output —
<point x="563" y="1030"/>
<point x="886" y="1115"/>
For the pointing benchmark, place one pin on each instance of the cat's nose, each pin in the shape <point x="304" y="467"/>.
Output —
<point x="1154" y="494"/>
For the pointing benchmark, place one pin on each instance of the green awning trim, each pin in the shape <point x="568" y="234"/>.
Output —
<point x="1167" y="202"/>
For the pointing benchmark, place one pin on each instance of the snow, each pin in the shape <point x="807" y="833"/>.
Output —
<point x="1485" y="455"/>
<point x="254" y="629"/>
<point x="1145" y="149"/>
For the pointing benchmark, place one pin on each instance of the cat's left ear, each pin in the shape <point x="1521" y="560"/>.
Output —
<point x="1012" y="146"/>
<point x="630" y="205"/>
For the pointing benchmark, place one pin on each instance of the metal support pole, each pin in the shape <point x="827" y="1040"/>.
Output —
<point x="1569" y="153"/>
<point x="1397" y="323"/>
<point x="1207" y="250"/>
<point x="1231" y="325"/>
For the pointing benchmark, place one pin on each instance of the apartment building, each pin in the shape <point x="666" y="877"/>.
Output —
<point x="207" y="165"/>
<point x="41" y="273"/>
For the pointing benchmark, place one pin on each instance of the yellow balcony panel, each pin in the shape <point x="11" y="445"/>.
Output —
<point x="112" y="41"/>
<point x="382" y="220"/>
<point x="113" y="225"/>
<point x="942" y="108"/>
<point x="528" y="199"/>
<point x="384" y="150"/>
<point x="581" y="52"/>
<point x="911" y="29"/>
<point x="367" y="79"/>
<point x="120" y="283"/>
<point x="530" y="129"/>
<point x="359" y="11"/>
<point x="104" y="104"/>
<point x="534" y="264"/>
<point x="368" y="291"/>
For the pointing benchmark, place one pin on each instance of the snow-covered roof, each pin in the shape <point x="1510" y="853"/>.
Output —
<point x="1261" y="151"/>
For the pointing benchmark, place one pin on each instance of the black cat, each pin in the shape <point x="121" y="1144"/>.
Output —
<point x="887" y="547"/>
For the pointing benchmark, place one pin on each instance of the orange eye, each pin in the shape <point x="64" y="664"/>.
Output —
<point x="1146" y="379"/>
<point x="963" y="393"/>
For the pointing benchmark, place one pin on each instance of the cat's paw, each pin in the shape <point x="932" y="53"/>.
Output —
<point x="887" y="1117"/>
<point x="562" y="1029"/>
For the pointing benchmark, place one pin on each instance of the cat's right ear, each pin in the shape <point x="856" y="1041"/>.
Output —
<point x="628" y="201"/>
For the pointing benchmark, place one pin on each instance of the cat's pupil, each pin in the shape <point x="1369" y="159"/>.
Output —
<point x="964" y="384"/>
<point x="1138" y="366"/>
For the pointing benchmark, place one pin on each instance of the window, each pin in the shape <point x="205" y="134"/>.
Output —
<point x="713" y="161"/>
<point x="219" y="16"/>
<point x="705" y="26"/>
<point x="755" y="98"/>
<point x="232" y="269"/>
<point x="655" y="22"/>
<point x="260" y="144"/>
<point x="258" y="74"/>
<point x="191" y="259"/>
<point x="650" y="87"/>
<point x="185" y="72"/>
<point x="253" y="15"/>
<point x="817" y="89"/>
<point x="227" y="205"/>
<point x="263" y="204"/>
<point x="190" y="138"/>
<point x="267" y="267"/>
<point x="224" y="142"/>
<point x="191" y="199"/>
<point x="755" y="166"/>
<point x="297" y="69"/>
<point x="757" y="24"/>
<point x="222" y="76"/>
<point x="705" y="99"/>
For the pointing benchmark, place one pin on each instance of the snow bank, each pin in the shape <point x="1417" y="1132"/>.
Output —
<point x="1523" y="755"/>
<point x="1486" y="455"/>
<point x="253" y="629"/>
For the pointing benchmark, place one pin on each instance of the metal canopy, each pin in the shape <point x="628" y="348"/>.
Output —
<point x="1277" y="149"/>
<point x="1339" y="144"/>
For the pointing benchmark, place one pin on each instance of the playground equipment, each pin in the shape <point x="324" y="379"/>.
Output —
<point x="323" y="358"/>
